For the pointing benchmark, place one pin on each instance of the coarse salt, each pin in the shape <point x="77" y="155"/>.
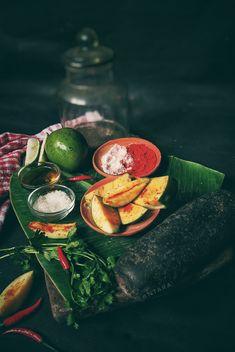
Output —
<point x="117" y="160"/>
<point x="52" y="202"/>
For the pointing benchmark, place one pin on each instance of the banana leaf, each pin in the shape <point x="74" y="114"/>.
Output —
<point x="192" y="179"/>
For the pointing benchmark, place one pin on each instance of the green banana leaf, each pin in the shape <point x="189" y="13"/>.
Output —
<point x="193" y="180"/>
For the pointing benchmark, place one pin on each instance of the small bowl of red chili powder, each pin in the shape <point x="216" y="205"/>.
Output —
<point x="132" y="155"/>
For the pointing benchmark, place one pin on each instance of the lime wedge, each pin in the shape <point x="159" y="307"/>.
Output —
<point x="15" y="293"/>
<point x="42" y="154"/>
<point x="32" y="151"/>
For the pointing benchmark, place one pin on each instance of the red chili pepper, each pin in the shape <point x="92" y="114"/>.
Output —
<point x="30" y="334"/>
<point x="62" y="258"/>
<point x="80" y="178"/>
<point x="13" y="319"/>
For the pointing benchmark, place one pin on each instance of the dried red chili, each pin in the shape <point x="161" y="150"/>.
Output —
<point x="62" y="258"/>
<point x="13" y="319"/>
<point x="144" y="159"/>
<point x="64" y="263"/>
<point x="128" y="208"/>
<point x="80" y="178"/>
<point x="30" y="334"/>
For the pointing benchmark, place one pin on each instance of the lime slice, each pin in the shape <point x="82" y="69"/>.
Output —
<point x="32" y="151"/>
<point x="42" y="154"/>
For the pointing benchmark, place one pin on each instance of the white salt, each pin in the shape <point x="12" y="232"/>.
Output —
<point x="117" y="160"/>
<point x="52" y="202"/>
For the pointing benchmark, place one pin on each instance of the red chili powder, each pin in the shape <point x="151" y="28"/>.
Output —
<point x="128" y="208"/>
<point x="13" y="290"/>
<point x="144" y="159"/>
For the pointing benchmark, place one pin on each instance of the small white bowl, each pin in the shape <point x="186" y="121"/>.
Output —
<point x="55" y="216"/>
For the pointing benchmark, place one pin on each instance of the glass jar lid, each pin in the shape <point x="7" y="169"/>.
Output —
<point x="88" y="52"/>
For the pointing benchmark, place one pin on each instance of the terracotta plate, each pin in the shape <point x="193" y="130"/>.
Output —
<point x="127" y="230"/>
<point x="96" y="160"/>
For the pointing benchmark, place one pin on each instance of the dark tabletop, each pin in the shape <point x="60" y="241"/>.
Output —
<point x="178" y="58"/>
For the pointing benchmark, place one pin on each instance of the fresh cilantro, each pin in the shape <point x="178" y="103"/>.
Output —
<point x="50" y="254"/>
<point x="92" y="279"/>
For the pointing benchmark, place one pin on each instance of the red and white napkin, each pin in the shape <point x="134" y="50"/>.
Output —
<point x="13" y="145"/>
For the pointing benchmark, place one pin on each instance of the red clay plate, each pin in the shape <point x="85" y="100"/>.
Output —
<point x="96" y="160"/>
<point x="128" y="230"/>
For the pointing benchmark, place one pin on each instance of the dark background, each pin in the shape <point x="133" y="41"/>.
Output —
<point x="178" y="58"/>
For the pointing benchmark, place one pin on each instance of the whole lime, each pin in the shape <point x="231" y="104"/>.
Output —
<point x="67" y="148"/>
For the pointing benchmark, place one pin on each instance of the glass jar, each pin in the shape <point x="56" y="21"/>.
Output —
<point x="91" y="100"/>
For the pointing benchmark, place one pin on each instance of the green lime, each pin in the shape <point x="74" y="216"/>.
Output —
<point x="67" y="148"/>
<point x="32" y="151"/>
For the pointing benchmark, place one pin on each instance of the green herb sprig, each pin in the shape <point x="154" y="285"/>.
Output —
<point x="92" y="279"/>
